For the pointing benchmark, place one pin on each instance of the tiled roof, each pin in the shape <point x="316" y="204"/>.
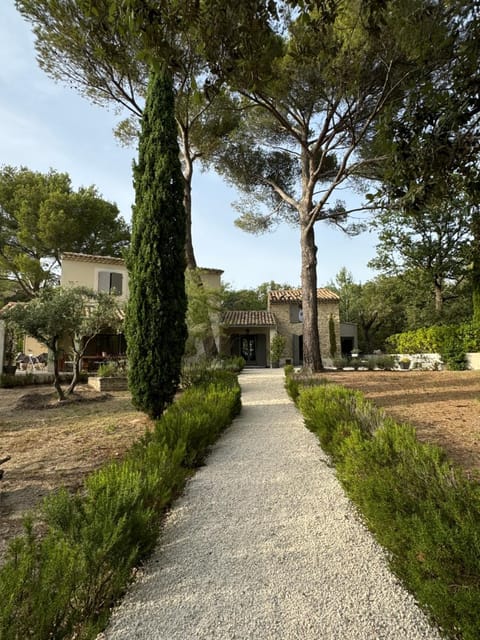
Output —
<point x="295" y="295"/>
<point x="248" y="319"/>
<point x="85" y="257"/>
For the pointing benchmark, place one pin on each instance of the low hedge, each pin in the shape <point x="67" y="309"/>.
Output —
<point x="61" y="584"/>
<point x="443" y="339"/>
<point x="421" y="508"/>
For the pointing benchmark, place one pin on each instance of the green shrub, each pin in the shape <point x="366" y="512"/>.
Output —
<point x="233" y="363"/>
<point x="332" y="412"/>
<point x="296" y="381"/>
<point x="436" y="339"/>
<point x="111" y="370"/>
<point x="63" y="584"/>
<point x="340" y="363"/>
<point x="385" y="362"/>
<point x="452" y="351"/>
<point x="197" y="421"/>
<point x="423" y="510"/>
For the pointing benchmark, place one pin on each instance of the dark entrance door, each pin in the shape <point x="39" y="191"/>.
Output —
<point x="248" y="349"/>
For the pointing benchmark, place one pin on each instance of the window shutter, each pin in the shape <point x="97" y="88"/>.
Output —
<point x="104" y="281"/>
<point x="116" y="282"/>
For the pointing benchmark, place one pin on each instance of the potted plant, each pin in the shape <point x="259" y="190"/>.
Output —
<point x="110" y="377"/>
<point x="277" y="345"/>
<point x="404" y="362"/>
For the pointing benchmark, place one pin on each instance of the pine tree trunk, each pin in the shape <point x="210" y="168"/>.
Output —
<point x="312" y="360"/>
<point x="209" y="344"/>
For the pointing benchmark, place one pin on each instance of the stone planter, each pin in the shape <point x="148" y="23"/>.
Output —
<point x="114" y="383"/>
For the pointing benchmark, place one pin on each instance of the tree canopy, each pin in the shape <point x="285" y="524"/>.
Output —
<point x="42" y="216"/>
<point x="335" y="68"/>
<point x="65" y="318"/>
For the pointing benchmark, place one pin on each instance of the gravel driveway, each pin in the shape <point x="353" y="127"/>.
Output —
<point x="264" y="545"/>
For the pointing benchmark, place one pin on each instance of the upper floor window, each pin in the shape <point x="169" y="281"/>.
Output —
<point x="111" y="282"/>
<point x="296" y="313"/>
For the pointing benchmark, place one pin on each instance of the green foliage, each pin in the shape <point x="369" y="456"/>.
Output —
<point x="423" y="510"/>
<point x="111" y="370"/>
<point x="277" y="346"/>
<point x="340" y="362"/>
<point x="197" y="422"/>
<point x="155" y="325"/>
<point x="385" y="362"/>
<point x="73" y="313"/>
<point x="62" y="584"/>
<point x="452" y="351"/>
<point x="203" y="303"/>
<point x="204" y="371"/>
<point x="332" y="337"/>
<point x="250" y="299"/>
<point x="296" y="381"/>
<point x="42" y="217"/>
<point x="433" y="241"/>
<point x="451" y="341"/>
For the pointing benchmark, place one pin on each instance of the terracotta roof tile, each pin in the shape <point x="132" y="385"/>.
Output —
<point x="295" y="295"/>
<point x="248" y="319"/>
<point x="85" y="257"/>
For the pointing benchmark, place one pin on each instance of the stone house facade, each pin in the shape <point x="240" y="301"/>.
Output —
<point x="239" y="333"/>
<point x="249" y="333"/>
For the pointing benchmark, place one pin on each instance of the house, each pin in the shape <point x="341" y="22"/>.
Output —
<point x="249" y="333"/>
<point x="237" y="333"/>
<point x="245" y="333"/>
<point x="108" y="274"/>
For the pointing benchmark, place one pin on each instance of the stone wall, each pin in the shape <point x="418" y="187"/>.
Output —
<point x="289" y="325"/>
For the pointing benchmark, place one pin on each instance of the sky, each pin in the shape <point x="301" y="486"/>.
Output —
<point x="44" y="124"/>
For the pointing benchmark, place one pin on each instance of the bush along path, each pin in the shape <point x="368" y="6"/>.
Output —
<point x="264" y="544"/>
<point x="424" y="511"/>
<point x="63" y="582"/>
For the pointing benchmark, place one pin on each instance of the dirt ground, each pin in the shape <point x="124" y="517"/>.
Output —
<point x="53" y="445"/>
<point x="443" y="406"/>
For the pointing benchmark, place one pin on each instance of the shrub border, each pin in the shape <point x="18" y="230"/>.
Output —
<point x="63" y="583"/>
<point x="419" y="506"/>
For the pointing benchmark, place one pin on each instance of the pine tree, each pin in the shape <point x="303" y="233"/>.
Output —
<point x="155" y="321"/>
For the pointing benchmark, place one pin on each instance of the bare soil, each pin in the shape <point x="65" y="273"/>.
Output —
<point x="443" y="406"/>
<point x="53" y="445"/>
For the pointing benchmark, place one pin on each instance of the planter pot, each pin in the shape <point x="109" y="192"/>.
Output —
<point x="114" y="383"/>
<point x="404" y="365"/>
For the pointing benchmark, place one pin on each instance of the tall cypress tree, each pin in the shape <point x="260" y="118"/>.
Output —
<point x="155" y="324"/>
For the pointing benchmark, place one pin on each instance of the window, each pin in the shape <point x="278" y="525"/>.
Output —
<point x="110" y="282"/>
<point x="296" y="313"/>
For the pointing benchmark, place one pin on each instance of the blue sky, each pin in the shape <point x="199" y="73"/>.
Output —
<point x="45" y="125"/>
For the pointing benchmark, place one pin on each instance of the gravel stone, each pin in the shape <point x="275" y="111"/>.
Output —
<point x="264" y="545"/>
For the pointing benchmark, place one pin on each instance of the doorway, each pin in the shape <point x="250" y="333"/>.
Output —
<point x="248" y="349"/>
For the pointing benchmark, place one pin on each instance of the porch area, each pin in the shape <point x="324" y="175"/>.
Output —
<point x="248" y="334"/>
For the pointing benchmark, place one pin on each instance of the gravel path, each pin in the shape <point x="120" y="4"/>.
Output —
<point x="265" y="545"/>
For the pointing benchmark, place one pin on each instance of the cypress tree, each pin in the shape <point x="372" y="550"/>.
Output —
<point x="155" y="325"/>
